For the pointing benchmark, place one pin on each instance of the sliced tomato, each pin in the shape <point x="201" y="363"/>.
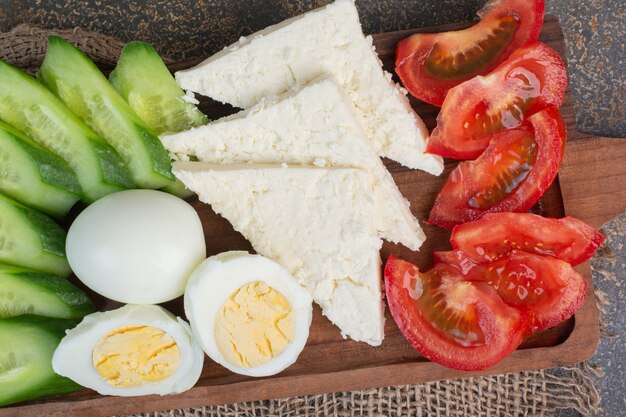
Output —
<point x="429" y="64"/>
<point x="547" y="289"/>
<point x="497" y="234"/>
<point x="459" y="324"/>
<point x="532" y="79"/>
<point x="511" y="175"/>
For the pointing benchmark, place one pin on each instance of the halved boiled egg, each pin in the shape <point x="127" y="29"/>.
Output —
<point x="134" y="350"/>
<point x="248" y="313"/>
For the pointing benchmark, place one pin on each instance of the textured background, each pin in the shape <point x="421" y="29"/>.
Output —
<point x="595" y="33"/>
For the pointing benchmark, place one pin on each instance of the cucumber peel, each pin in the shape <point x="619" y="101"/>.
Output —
<point x="78" y="82"/>
<point x="27" y="344"/>
<point x="24" y="291"/>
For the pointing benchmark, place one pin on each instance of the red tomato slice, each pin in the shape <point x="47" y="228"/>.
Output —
<point x="429" y="64"/>
<point x="496" y="234"/>
<point x="532" y="79"/>
<point x="511" y="175"/>
<point x="458" y="324"/>
<point x="547" y="289"/>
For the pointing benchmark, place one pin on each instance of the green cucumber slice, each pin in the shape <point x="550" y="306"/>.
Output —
<point x="24" y="291"/>
<point x="31" y="239"/>
<point x="34" y="176"/>
<point x="76" y="80"/>
<point x="31" y="108"/>
<point x="27" y="344"/>
<point x="144" y="81"/>
<point x="147" y="85"/>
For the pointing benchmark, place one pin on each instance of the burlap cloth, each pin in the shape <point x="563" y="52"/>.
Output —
<point x="534" y="393"/>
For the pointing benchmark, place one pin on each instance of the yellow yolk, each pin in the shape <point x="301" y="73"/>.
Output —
<point x="131" y="356"/>
<point x="254" y="325"/>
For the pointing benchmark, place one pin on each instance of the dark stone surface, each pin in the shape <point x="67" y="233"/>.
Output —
<point x="595" y="36"/>
<point x="183" y="30"/>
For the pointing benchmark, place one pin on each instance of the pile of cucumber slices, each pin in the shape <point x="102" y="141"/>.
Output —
<point x="66" y="136"/>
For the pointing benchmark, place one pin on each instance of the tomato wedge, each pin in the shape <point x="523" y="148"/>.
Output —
<point x="459" y="324"/>
<point x="497" y="234"/>
<point x="429" y="64"/>
<point x="547" y="289"/>
<point x="511" y="175"/>
<point x="532" y="79"/>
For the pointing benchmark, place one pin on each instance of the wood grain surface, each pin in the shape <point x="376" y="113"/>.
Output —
<point x="591" y="186"/>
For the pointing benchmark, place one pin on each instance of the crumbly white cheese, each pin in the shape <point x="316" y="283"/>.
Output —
<point x="314" y="221"/>
<point x="314" y="126"/>
<point x="327" y="41"/>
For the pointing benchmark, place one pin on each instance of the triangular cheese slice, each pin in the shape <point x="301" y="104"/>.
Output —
<point x="315" y="126"/>
<point x="327" y="41"/>
<point x="314" y="221"/>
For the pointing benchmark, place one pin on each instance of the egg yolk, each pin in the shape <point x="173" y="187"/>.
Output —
<point x="131" y="356"/>
<point x="254" y="325"/>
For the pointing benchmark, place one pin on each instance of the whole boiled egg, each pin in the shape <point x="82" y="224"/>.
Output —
<point x="136" y="246"/>
<point x="248" y="313"/>
<point x="134" y="350"/>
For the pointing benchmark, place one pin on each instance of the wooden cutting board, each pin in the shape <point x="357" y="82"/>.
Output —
<point x="590" y="186"/>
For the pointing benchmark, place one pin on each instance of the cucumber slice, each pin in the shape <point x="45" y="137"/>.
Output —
<point x="27" y="344"/>
<point x="35" y="176"/>
<point x="31" y="239"/>
<point x="76" y="80"/>
<point x="147" y="85"/>
<point x="178" y="189"/>
<point x="144" y="81"/>
<point x="24" y="291"/>
<point x="31" y="108"/>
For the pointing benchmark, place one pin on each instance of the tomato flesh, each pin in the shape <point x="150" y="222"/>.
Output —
<point x="430" y="64"/>
<point x="511" y="175"/>
<point x="496" y="34"/>
<point x="459" y="324"/>
<point x="547" y="289"/>
<point x="473" y="113"/>
<point x="496" y="234"/>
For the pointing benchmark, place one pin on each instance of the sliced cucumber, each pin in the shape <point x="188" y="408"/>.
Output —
<point x="27" y="344"/>
<point x="31" y="239"/>
<point x="147" y="85"/>
<point x="24" y="291"/>
<point x="31" y="108"/>
<point x="35" y="176"/>
<point x="178" y="189"/>
<point x="76" y="80"/>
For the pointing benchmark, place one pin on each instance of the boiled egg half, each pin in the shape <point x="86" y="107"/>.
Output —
<point x="248" y="313"/>
<point x="134" y="350"/>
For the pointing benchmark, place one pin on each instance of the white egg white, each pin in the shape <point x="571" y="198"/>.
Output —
<point x="217" y="279"/>
<point x="73" y="356"/>
<point x="136" y="246"/>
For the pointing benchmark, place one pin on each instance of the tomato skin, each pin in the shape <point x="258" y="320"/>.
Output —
<point x="547" y="289"/>
<point x="505" y="26"/>
<point x="497" y="234"/>
<point x="532" y="79"/>
<point x="503" y="327"/>
<point x="475" y="178"/>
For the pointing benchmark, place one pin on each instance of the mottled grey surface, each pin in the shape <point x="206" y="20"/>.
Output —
<point x="609" y="276"/>
<point x="595" y="33"/>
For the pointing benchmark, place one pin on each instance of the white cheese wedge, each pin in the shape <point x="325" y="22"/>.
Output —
<point x="314" y="221"/>
<point x="327" y="41"/>
<point x="314" y="126"/>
